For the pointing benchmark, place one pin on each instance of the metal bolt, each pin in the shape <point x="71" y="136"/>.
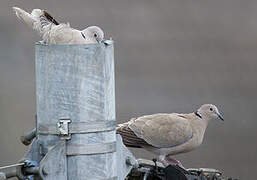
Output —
<point x="128" y="161"/>
<point x="131" y="162"/>
<point x="44" y="170"/>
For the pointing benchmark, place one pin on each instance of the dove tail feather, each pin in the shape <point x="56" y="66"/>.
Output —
<point x="26" y="17"/>
<point x="39" y="20"/>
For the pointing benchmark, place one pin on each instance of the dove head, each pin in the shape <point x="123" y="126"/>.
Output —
<point x="209" y="112"/>
<point x="95" y="33"/>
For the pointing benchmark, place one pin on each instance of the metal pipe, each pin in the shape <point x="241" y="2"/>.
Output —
<point x="32" y="170"/>
<point x="75" y="87"/>
<point x="12" y="173"/>
<point x="28" y="138"/>
<point x="146" y="176"/>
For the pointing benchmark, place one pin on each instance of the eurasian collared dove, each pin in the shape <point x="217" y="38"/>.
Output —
<point x="168" y="134"/>
<point x="54" y="33"/>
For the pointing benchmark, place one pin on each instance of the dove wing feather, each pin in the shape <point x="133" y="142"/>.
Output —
<point x="129" y="138"/>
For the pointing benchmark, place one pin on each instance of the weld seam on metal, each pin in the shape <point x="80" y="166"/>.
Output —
<point x="90" y="149"/>
<point x="78" y="127"/>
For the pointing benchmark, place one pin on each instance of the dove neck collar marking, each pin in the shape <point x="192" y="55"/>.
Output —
<point x="197" y="114"/>
<point x="83" y="35"/>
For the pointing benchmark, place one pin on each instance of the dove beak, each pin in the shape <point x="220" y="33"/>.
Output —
<point x="106" y="42"/>
<point x="220" y="116"/>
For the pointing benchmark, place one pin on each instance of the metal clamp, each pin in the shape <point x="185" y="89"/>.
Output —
<point x="63" y="128"/>
<point x="78" y="127"/>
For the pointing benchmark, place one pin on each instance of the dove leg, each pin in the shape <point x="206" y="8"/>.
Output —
<point x="167" y="160"/>
<point x="164" y="161"/>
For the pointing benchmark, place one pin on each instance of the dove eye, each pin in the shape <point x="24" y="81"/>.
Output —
<point x="211" y="109"/>
<point x="95" y="35"/>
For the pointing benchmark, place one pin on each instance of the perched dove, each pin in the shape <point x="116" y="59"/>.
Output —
<point x="168" y="134"/>
<point x="54" y="33"/>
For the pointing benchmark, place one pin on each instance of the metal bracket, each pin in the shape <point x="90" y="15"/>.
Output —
<point x="54" y="163"/>
<point x="63" y="128"/>
<point x="125" y="159"/>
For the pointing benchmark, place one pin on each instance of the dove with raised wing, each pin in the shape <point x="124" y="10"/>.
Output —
<point x="54" y="33"/>
<point x="168" y="134"/>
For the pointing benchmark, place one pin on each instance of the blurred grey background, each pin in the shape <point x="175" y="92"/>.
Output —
<point x="171" y="56"/>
